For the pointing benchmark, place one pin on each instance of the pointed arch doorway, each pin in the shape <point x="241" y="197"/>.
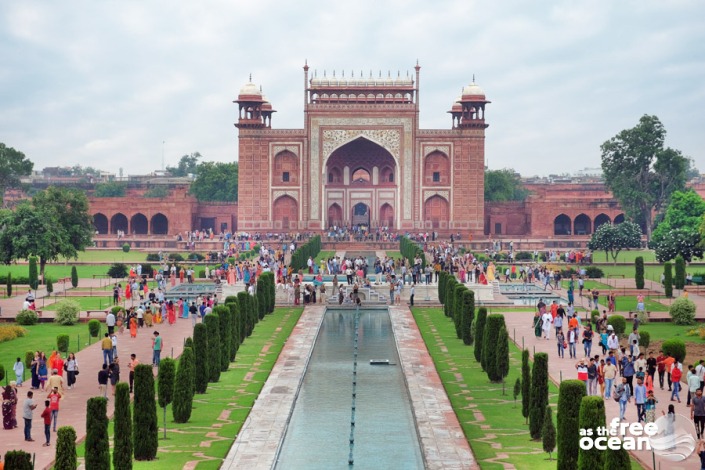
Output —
<point x="361" y="214"/>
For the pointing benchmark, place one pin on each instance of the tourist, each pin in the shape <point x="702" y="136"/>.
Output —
<point x="114" y="373"/>
<point x="27" y="411"/>
<point x="42" y="369"/>
<point x="110" y="322"/>
<point x="700" y="371"/>
<point x="411" y="294"/>
<point x="103" y="376"/>
<point x="676" y="374"/>
<point x="107" y="347"/>
<point x="55" y="381"/>
<point x="650" y="407"/>
<point x="156" y="348"/>
<point x="628" y="371"/>
<point x="640" y="400"/>
<point x="537" y="324"/>
<point x="633" y="342"/>
<point x="71" y="370"/>
<point x="9" y="407"/>
<point x="54" y="398"/>
<point x="34" y="371"/>
<point x="651" y="365"/>
<point x="572" y="340"/>
<point x="587" y="340"/>
<point x="600" y="363"/>
<point x="592" y="377"/>
<point x="623" y="394"/>
<point x="582" y="369"/>
<point x="546" y="320"/>
<point x="697" y="412"/>
<point x="18" y="367"/>
<point x="661" y="367"/>
<point x="609" y="372"/>
<point x="133" y="326"/>
<point x="46" y="416"/>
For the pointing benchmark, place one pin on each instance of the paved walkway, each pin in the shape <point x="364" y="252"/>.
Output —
<point x="519" y="326"/>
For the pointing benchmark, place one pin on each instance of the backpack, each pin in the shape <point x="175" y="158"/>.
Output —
<point x="618" y="392"/>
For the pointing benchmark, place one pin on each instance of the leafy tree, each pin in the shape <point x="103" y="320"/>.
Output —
<point x="145" y="426"/>
<point x="200" y="343"/>
<point x="49" y="286"/>
<point x="184" y="387"/>
<point x="685" y="242"/>
<point x="525" y="385"/>
<point x="213" y="325"/>
<point x="539" y="394"/>
<point x="33" y="276"/>
<point x="165" y="385"/>
<point x="502" y="367"/>
<point x="110" y="189"/>
<point x="614" y="238"/>
<point x="548" y="433"/>
<point x="468" y="316"/>
<point x="668" y="279"/>
<point x="187" y="165"/>
<point x="97" y="444"/>
<point x="13" y="166"/>
<point x="642" y="173"/>
<point x="479" y="334"/>
<point x="639" y="272"/>
<point x="682" y="311"/>
<point x="490" y="352"/>
<point x="570" y="393"/>
<point x="679" y="280"/>
<point x="592" y="416"/>
<point x="122" y="452"/>
<point x="215" y="181"/>
<point x="223" y="313"/>
<point x="157" y="192"/>
<point x="66" y="458"/>
<point x="679" y="231"/>
<point x="504" y="185"/>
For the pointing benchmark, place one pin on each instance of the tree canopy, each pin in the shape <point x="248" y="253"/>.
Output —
<point x="56" y="223"/>
<point x="614" y="238"/>
<point x="215" y="181"/>
<point x="13" y="166"/>
<point x="642" y="173"/>
<point x="109" y="189"/>
<point x="679" y="231"/>
<point x="504" y="185"/>
<point x="187" y="165"/>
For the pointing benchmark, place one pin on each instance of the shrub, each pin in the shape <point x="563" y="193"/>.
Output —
<point x="674" y="347"/>
<point x="495" y="322"/>
<point x="28" y="358"/>
<point x="27" y="317"/>
<point x="200" y="343"/>
<point x="539" y="394"/>
<point x="175" y="257"/>
<point x="593" y="272"/>
<point x="644" y="339"/>
<point x="2" y="372"/>
<point x="153" y="257"/>
<point x="524" y="256"/>
<point x="525" y="385"/>
<point x="229" y="299"/>
<point x="234" y="329"/>
<point x="243" y="302"/>
<point x="9" y="284"/>
<point x="468" y="316"/>
<point x="33" y="274"/>
<point x="643" y="317"/>
<point x="118" y="271"/>
<point x="49" y="286"/>
<point x="94" y="327"/>
<point x="184" y="387"/>
<point x="196" y="257"/>
<point x="617" y="459"/>
<point x="594" y="314"/>
<point x="126" y="247"/>
<point x="458" y="309"/>
<point x="66" y="458"/>
<point x="679" y="279"/>
<point x="147" y="270"/>
<point x="223" y="313"/>
<point x="639" y="272"/>
<point x="74" y="277"/>
<point x="165" y="382"/>
<point x="213" y="325"/>
<point x="592" y="416"/>
<point x="570" y="393"/>
<point x="618" y="323"/>
<point x="145" y="415"/>
<point x="450" y="297"/>
<point x="188" y="343"/>
<point x="517" y="390"/>
<point x="97" y="445"/>
<point x="67" y="312"/>
<point x="668" y="279"/>
<point x="479" y="334"/>
<point x="62" y="343"/>
<point x="682" y="311"/>
<point x="10" y="332"/>
<point x="442" y="286"/>
<point x="18" y="460"/>
<point x="502" y="366"/>
<point x="122" y="452"/>
<point x="548" y="433"/>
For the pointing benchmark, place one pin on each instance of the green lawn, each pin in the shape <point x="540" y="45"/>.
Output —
<point x="663" y="331"/>
<point x="324" y="255"/>
<point x="207" y="437"/>
<point x="86" y="303"/>
<point x="626" y="303"/>
<point x="41" y="337"/>
<point x="57" y="271"/>
<point x="589" y="284"/>
<point x="624" y="256"/>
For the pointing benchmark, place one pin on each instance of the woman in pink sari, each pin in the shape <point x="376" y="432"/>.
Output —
<point x="171" y="313"/>
<point x="231" y="276"/>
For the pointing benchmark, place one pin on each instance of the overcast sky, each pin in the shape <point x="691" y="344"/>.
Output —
<point x="103" y="84"/>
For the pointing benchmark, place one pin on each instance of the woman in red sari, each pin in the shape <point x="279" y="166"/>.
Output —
<point x="171" y="313"/>
<point x="133" y="327"/>
<point x="128" y="291"/>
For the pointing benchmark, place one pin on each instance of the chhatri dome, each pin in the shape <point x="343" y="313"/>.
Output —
<point x="473" y="90"/>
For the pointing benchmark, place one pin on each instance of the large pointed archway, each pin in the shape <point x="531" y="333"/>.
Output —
<point x="361" y="215"/>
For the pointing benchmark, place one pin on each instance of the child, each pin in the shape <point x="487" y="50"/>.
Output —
<point x="19" y="371"/>
<point x="640" y="373"/>
<point x="46" y="414"/>
<point x="650" y="406"/>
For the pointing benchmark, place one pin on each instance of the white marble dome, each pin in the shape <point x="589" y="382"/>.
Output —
<point x="473" y="90"/>
<point x="250" y="89"/>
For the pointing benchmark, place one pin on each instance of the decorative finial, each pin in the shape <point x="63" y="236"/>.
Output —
<point x="343" y="73"/>
<point x="380" y="74"/>
<point x="389" y="74"/>
<point x="250" y="77"/>
<point x="473" y="78"/>
<point x="333" y="73"/>
<point x="260" y="88"/>
<point x="398" y="74"/>
<point x="370" y="73"/>
<point x="324" y="74"/>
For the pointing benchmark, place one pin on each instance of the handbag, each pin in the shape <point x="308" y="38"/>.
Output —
<point x="565" y="344"/>
<point x="75" y="372"/>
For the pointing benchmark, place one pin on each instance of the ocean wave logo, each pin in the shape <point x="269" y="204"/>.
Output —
<point x="674" y="439"/>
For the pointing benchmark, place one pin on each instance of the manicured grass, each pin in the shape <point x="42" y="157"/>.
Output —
<point x="589" y="284"/>
<point x="324" y="255"/>
<point x="86" y="303"/>
<point x="235" y="393"/>
<point x="115" y="255"/>
<point x="58" y="271"/>
<point x="393" y="254"/>
<point x="625" y="303"/>
<point x="663" y="331"/>
<point x="41" y="337"/>
<point x="624" y="256"/>
<point x="453" y="358"/>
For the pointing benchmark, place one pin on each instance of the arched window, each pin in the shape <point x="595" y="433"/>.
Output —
<point x="118" y="222"/>
<point x="138" y="224"/>
<point x="361" y="176"/>
<point x="285" y="170"/>
<point x="437" y="169"/>
<point x="582" y="225"/>
<point x="159" y="224"/>
<point x="100" y="222"/>
<point x="562" y="225"/>
<point x="601" y="219"/>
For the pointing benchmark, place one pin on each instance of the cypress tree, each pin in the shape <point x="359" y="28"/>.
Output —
<point x="254" y="306"/>
<point x="525" y="385"/>
<point x="468" y="316"/>
<point x="570" y="395"/>
<point x="49" y="286"/>
<point x="223" y="313"/>
<point x="33" y="274"/>
<point x="639" y="272"/>
<point x="668" y="279"/>
<point x="74" y="277"/>
<point x="272" y="293"/>
<point x="495" y="323"/>
<point x="165" y="385"/>
<point x="213" y="325"/>
<point x="122" y="452"/>
<point x="539" y="394"/>
<point x="65" y="458"/>
<point x="200" y="353"/>
<point x="517" y="390"/>
<point x="97" y="445"/>
<point x="188" y="343"/>
<point x="502" y="366"/>
<point x="184" y="388"/>
<point x="145" y="427"/>
<point x="243" y="303"/>
<point x="479" y="334"/>
<point x="617" y="460"/>
<point x="548" y="433"/>
<point x="679" y="280"/>
<point x="9" y="284"/>
<point x="592" y="416"/>
<point x="442" y="287"/>
<point x="458" y="309"/>
<point x="234" y="329"/>
<point x="450" y="296"/>
<point x="261" y="296"/>
<point x="18" y="460"/>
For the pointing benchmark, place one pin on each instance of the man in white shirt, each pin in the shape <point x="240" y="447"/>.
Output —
<point x="110" y="322"/>
<point x="547" y="319"/>
<point x="700" y="372"/>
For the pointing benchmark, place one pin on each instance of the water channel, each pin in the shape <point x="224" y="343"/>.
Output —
<point x="349" y="411"/>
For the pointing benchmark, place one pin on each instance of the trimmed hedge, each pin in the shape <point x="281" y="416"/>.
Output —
<point x="184" y="387"/>
<point x="65" y="457"/>
<point x="548" y="433"/>
<point x="165" y="385"/>
<point x="525" y="385"/>
<point x="668" y="279"/>
<point x="67" y="312"/>
<point x="94" y="328"/>
<point x="570" y="393"/>
<point x="674" y="347"/>
<point x="410" y="249"/>
<point x="592" y="416"/>
<point x="442" y="279"/>
<point x="122" y="452"/>
<point x="449" y="306"/>
<point x="644" y="339"/>
<point x="62" y="343"/>
<point x="27" y="317"/>
<point x="618" y="323"/>
<point x="223" y="313"/>
<point x="213" y="324"/>
<point x="639" y="272"/>
<point x="679" y="280"/>
<point x="33" y="273"/>
<point x="18" y="460"/>
<point x="145" y="427"/>
<point x="502" y="365"/>
<point x="74" y="277"/>
<point x="234" y="329"/>
<point x="617" y="460"/>
<point x="243" y="302"/>
<point x="200" y="343"/>
<point x="495" y="322"/>
<point x="458" y="309"/>
<point x="8" y="284"/>
<point x="479" y="334"/>
<point x="309" y="249"/>
<point x="539" y="394"/>
<point x="97" y="444"/>
<point x="468" y="316"/>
